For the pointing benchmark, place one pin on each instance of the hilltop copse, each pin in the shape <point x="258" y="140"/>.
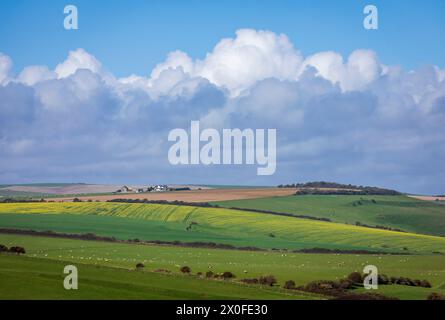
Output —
<point x="326" y="188"/>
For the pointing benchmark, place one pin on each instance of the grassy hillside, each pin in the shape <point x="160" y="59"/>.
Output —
<point x="32" y="278"/>
<point x="393" y="211"/>
<point x="151" y="222"/>
<point x="302" y="268"/>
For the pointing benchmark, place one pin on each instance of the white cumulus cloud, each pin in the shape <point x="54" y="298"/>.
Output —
<point x="251" y="56"/>
<point x="361" y="68"/>
<point x="35" y="74"/>
<point x="77" y="59"/>
<point x="350" y="119"/>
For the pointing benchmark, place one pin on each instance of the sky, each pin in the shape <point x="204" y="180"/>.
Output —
<point x="410" y="32"/>
<point x="349" y="105"/>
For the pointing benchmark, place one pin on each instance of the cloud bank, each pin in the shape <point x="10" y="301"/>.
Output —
<point x="348" y="119"/>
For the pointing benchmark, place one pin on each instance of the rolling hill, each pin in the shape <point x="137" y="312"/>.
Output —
<point x="401" y="212"/>
<point x="170" y="222"/>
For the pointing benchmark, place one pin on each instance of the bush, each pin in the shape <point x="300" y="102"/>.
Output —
<point x="409" y="282"/>
<point x="322" y="286"/>
<point x="18" y="250"/>
<point x="140" y="265"/>
<point x="289" y="284"/>
<point x="403" y="281"/>
<point x="228" y="275"/>
<point x="363" y="296"/>
<point x="209" y="274"/>
<point x="269" y="280"/>
<point x="383" y="279"/>
<point x="77" y="200"/>
<point x="3" y="248"/>
<point x="162" y="271"/>
<point x="425" y="284"/>
<point x="346" y="284"/>
<point x="250" y="281"/>
<point x="435" y="296"/>
<point x="355" y="277"/>
<point x="185" y="269"/>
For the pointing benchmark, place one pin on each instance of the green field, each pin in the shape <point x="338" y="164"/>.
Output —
<point x="107" y="269"/>
<point x="31" y="278"/>
<point x="152" y="221"/>
<point x="392" y="211"/>
<point x="45" y="259"/>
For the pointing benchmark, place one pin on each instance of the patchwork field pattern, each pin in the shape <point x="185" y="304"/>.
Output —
<point x="214" y="224"/>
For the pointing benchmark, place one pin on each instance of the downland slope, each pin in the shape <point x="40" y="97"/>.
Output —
<point x="400" y="212"/>
<point x="152" y="221"/>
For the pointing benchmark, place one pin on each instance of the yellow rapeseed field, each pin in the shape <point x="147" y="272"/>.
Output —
<point x="241" y="222"/>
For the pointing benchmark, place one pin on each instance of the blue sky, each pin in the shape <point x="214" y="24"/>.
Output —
<point x="133" y="36"/>
<point x="349" y="105"/>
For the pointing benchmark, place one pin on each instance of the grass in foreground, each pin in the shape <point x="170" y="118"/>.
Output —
<point x="33" y="278"/>
<point x="302" y="268"/>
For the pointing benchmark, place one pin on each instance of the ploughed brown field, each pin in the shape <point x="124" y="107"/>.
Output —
<point x="192" y="195"/>
<point x="428" y="198"/>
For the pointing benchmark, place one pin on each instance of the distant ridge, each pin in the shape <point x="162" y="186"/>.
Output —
<point x="326" y="188"/>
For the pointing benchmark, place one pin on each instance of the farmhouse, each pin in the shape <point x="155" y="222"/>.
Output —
<point x="160" y="188"/>
<point x="125" y="189"/>
<point x="155" y="188"/>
